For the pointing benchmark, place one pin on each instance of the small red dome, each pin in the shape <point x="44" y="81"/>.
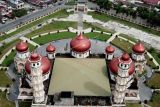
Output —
<point x="50" y="48"/>
<point x="125" y="57"/>
<point x="22" y="46"/>
<point x="45" y="65"/>
<point x="34" y="57"/>
<point x="80" y="43"/>
<point x="114" y="64"/>
<point x="109" y="49"/>
<point x="138" y="48"/>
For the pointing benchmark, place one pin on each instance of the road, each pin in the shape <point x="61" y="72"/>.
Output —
<point x="12" y="24"/>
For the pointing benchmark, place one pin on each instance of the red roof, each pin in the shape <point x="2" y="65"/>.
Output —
<point x="151" y="2"/>
<point x="34" y="57"/>
<point x="50" y="48"/>
<point x="138" y="48"/>
<point x="109" y="49"/>
<point x="22" y="46"/>
<point x="114" y="64"/>
<point x="80" y="43"/>
<point x="125" y="57"/>
<point x="45" y="65"/>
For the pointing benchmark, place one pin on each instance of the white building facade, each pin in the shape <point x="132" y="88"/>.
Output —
<point x="109" y="52"/>
<point x="138" y="55"/>
<point x="122" y="70"/>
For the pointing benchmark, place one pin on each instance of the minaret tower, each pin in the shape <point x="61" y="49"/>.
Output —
<point x="21" y="56"/>
<point x="109" y="52"/>
<point x="138" y="55"/>
<point x="37" y="78"/>
<point x="124" y="69"/>
<point x="51" y="51"/>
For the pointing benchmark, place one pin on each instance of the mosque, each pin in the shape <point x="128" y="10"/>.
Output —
<point x="43" y="78"/>
<point x="78" y="78"/>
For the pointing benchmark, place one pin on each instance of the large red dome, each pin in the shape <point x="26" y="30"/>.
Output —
<point x="45" y="64"/>
<point x="50" y="48"/>
<point x="109" y="49"/>
<point x="114" y="64"/>
<point x="22" y="46"/>
<point x="138" y="48"/>
<point x="80" y="43"/>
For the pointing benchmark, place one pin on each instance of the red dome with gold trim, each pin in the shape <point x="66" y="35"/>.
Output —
<point x="80" y="43"/>
<point x="21" y="46"/>
<point x="34" y="57"/>
<point x="45" y="63"/>
<point x="50" y="48"/>
<point x="114" y="64"/>
<point x="138" y="48"/>
<point x="109" y="49"/>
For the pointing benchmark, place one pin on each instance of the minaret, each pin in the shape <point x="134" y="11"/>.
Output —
<point x="138" y="55"/>
<point x="123" y="79"/>
<point x="51" y="51"/>
<point x="37" y="78"/>
<point x="21" y="56"/>
<point x="109" y="52"/>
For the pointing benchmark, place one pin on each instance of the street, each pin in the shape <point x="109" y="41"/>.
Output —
<point x="12" y="24"/>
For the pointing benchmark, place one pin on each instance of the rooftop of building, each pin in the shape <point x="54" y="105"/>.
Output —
<point x="86" y="77"/>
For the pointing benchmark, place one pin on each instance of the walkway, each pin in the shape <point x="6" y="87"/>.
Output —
<point x="29" y="41"/>
<point x="15" y="86"/>
<point x="145" y="93"/>
<point x="63" y="46"/>
<point x="112" y="37"/>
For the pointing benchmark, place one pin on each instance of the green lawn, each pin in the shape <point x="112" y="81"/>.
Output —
<point x="4" y="80"/>
<point x="105" y="17"/>
<point x="100" y="16"/>
<point x="127" y="47"/>
<point x="128" y="37"/>
<point x="31" y="47"/>
<point x="65" y="35"/>
<point x="71" y="2"/>
<point x="4" y="102"/>
<point x="24" y="104"/>
<point x="98" y="36"/>
<point x="10" y="58"/>
<point x="48" y="38"/>
<point x="58" y="25"/>
<point x="122" y="44"/>
<point x="58" y="14"/>
<point x="133" y="105"/>
<point x="6" y="47"/>
<point x="154" y="81"/>
<point x="155" y="99"/>
<point x="155" y="55"/>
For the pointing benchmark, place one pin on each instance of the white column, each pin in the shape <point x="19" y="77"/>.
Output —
<point x="121" y="85"/>
<point x="37" y="84"/>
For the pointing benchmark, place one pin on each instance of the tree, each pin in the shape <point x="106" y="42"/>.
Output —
<point x="7" y="85"/>
<point x="106" y="4"/>
<point x="151" y="49"/>
<point x="19" y="12"/>
<point x="13" y="80"/>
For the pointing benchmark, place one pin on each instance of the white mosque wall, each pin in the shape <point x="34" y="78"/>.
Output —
<point x="109" y="56"/>
<point x="80" y="55"/>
